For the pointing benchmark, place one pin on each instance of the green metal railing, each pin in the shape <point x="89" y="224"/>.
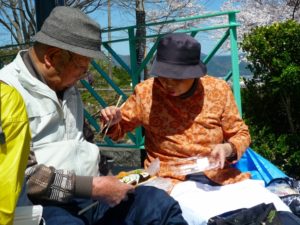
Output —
<point x="135" y="71"/>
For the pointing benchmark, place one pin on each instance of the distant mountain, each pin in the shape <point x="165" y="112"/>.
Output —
<point x="219" y="66"/>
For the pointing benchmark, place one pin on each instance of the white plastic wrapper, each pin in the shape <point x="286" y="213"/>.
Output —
<point x="192" y="165"/>
<point x="161" y="183"/>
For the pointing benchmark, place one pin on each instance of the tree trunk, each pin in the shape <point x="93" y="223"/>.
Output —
<point x="18" y="16"/>
<point x="140" y="34"/>
<point x="287" y="106"/>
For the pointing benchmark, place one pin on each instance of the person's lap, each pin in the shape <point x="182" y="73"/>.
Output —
<point x="147" y="205"/>
<point x="57" y="215"/>
<point x="67" y="214"/>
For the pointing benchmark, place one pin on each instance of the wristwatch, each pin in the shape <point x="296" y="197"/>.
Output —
<point x="233" y="155"/>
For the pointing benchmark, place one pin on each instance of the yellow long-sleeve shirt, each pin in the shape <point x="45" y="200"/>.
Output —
<point x="14" y="152"/>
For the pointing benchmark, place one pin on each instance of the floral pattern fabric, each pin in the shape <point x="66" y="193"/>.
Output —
<point x="178" y="128"/>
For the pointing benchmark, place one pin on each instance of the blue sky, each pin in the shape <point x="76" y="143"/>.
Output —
<point x="119" y="19"/>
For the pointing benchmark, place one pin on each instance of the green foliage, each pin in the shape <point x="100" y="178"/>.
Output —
<point x="119" y="76"/>
<point x="274" y="53"/>
<point x="272" y="48"/>
<point x="282" y="150"/>
<point x="271" y="99"/>
<point x="7" y="55"/>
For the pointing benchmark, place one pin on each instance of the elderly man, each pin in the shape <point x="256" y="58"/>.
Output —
<point x="62" y="173"/>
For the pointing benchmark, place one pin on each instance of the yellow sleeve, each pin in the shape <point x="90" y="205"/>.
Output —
<point x="14" y="152"/>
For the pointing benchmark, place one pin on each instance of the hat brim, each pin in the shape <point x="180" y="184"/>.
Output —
<point x="175" y="71"/>
<point x="45" y="39"/>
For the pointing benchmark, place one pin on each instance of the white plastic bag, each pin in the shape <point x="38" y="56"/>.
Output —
<point x="192" y="165"/>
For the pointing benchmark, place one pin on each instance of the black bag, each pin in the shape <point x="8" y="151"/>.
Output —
<point x="292" y="201"/>
<point x="262" y="214"/>
<point x="88" y="133"/>
<point x="287" y="189"/>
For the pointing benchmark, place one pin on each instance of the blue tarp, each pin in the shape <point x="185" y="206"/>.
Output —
<point x="259" y="167"/>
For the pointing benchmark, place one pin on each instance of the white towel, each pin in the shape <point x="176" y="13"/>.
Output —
<point x="199" y="202"/>
<point x="28" y="215"/>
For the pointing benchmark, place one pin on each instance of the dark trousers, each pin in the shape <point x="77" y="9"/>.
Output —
<point x="147" y="206"/>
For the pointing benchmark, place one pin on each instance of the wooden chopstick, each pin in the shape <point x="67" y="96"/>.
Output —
<point x="109" y="122"/>
<point x="88" y="207"/>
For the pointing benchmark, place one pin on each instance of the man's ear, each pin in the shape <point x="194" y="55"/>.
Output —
<point x="51" y="56"/>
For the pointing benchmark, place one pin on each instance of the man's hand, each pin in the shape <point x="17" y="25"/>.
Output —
<point x="110" y="189"/>
<point x="220" y="152"/>
<point x="111" y="115"/>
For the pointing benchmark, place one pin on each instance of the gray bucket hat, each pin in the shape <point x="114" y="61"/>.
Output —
<point x="70" y="29"/>
<point x="178" y="57"/>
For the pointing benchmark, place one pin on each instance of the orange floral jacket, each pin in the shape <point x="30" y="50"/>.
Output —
<point x="177" y="128"/>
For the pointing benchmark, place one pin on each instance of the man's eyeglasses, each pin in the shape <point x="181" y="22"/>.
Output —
<point x="77" y="65"/>
<point x="85" y="75"/>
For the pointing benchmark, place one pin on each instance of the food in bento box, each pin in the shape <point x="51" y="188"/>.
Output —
<point x="134" y="177"/>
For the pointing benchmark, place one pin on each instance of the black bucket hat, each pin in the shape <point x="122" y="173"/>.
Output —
<point x="178" y="57"/>
<point x="70" y="29"/>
